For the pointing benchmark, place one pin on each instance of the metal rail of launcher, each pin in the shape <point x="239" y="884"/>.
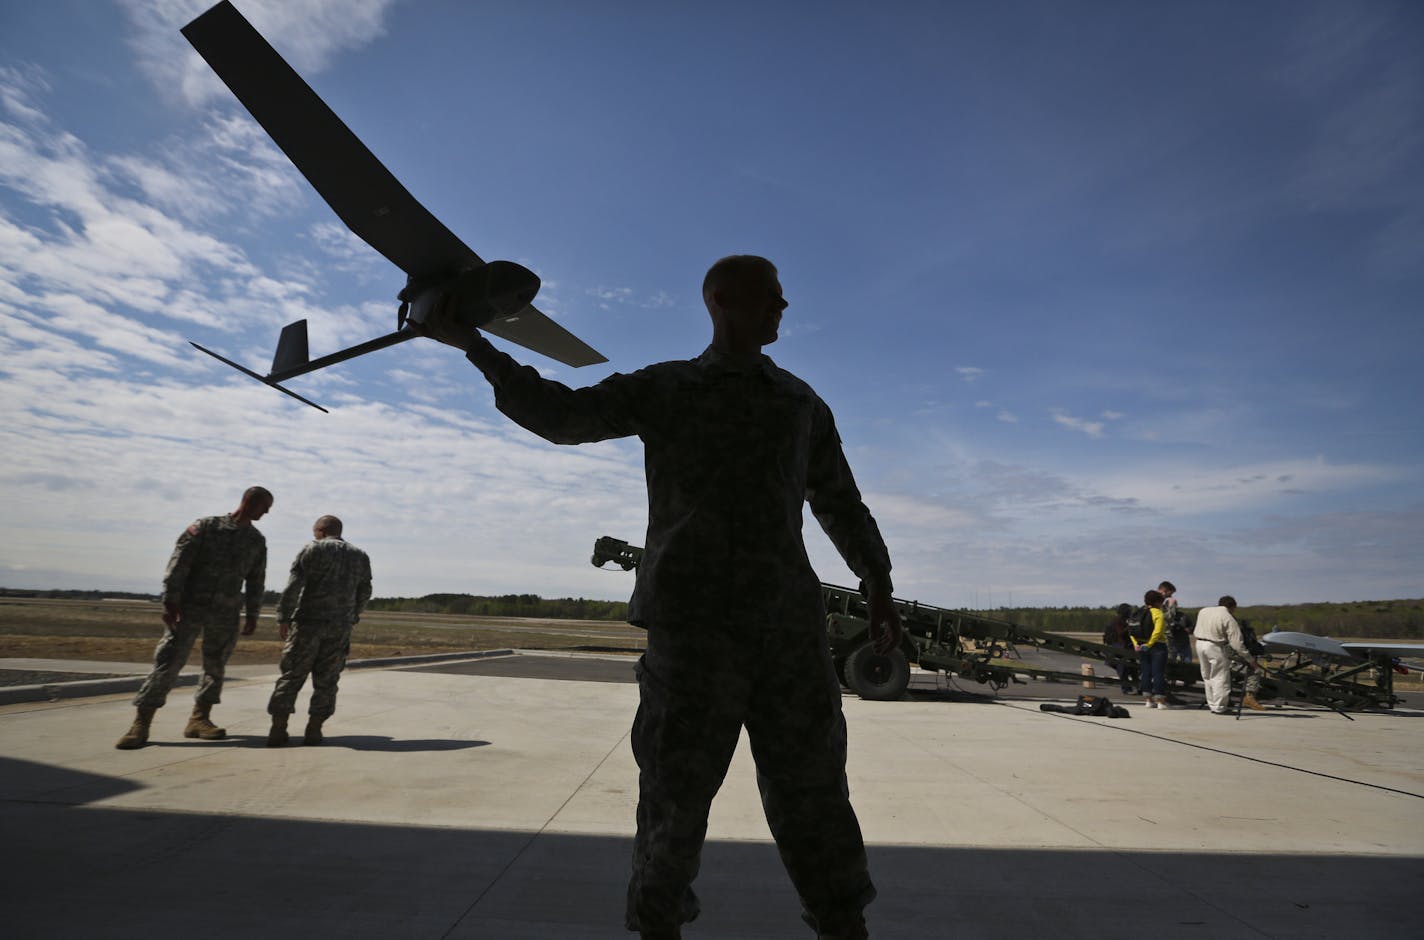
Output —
<point x="934" y="639"/>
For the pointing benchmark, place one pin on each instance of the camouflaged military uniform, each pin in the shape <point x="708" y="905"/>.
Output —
<point x="211" y="562"/>
<point x="328" y="588"/>
<point x="736" y="629"/>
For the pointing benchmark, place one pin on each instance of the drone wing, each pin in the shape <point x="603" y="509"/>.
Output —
<point x="362" y="192"/>
<point x="365" y="195"/>
<point x="1289" y="641"/>
<point x="533" y="330"/>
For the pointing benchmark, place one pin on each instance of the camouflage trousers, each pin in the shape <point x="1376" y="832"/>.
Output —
<point x="318" y="650"/>
<point x="218" y="629"/>
<point x="698" y="688"/>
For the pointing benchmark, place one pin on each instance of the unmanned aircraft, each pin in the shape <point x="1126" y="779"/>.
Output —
<point x="494" y="296"/>
<point x="1328" y="652"/>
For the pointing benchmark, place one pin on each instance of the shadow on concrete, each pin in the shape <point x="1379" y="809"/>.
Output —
<point x="354" y="742"/>
<point x="28" y="780"/>
<point x="371" y="742"/>
<point x="95" y="872"/>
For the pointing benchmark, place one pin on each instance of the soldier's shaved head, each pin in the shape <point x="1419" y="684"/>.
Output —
<point x="328" y="525"/>
<point x="731" y="272"/>
<point x="256" y="500"/>
<point x="743" y="297"/>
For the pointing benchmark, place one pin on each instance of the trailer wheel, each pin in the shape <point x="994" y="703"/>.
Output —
<point x="877" y="677"/>
<point x="841" y="671"/>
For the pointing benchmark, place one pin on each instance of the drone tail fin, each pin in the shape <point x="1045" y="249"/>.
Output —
<point x="291" y="347"/>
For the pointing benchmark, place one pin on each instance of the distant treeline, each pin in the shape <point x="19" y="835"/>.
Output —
<point x="1381" y="620"/>
<point x="269" y="598"/>
<point x="1378" y="620"/>
<point x="78" y="595"/>
<point x="506" y="605"/>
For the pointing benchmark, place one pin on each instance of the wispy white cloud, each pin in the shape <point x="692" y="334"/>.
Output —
<point x="969" y="374"/>
<point x="88" y="239"/>
<point x="19" y="88"/>
<point x="350" y="254"/>
<point x="607" y="296"/>
<point x="1090" y="428"/>
<point x="231" y="171"/>
<point x="79" y="317"/>
<point x="307" y="33"/>
<point x="1180" y="488"/>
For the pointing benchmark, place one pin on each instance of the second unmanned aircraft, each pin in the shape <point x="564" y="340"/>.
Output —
<point x="1331" y="653"/>
<point x="494" y="296"/>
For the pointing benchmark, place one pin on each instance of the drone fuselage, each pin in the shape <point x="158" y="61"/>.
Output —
<point x="474" y="297"/>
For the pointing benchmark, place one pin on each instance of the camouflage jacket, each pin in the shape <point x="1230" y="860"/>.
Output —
<point x="330" y="583"/>
<point x="210" y="562"/>
<point x="732" y="452"/>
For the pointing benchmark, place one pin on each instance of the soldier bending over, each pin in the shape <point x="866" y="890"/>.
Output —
<point x="202" y="594"/>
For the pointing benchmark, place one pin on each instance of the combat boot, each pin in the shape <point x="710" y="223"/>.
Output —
<point x="313" y="732"/>
<point x="278" y="736"/>
<point x="200" y="726"/>
<point x="1250" y="702"/>
<point x="137" y="735"/>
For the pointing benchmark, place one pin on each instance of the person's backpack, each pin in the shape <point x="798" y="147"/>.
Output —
<point x="1139" y="624"/>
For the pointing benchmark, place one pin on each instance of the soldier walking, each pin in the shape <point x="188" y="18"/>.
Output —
<point x="203" y="592"/>
<point x="328" y="588"/>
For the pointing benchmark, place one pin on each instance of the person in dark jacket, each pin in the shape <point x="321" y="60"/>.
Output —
<point x="1116" y="635"/>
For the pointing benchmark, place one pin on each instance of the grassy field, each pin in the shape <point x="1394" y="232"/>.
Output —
<point x="126" y="631"/>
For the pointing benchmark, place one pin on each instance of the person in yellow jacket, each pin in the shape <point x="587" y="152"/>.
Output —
<point x="1152" y="650"/>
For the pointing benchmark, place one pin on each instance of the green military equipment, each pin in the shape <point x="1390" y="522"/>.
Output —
<point x="985" y="650"/>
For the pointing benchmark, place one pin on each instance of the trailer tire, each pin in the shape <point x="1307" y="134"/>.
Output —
<point x="840" y="662"/>
<point x="875" y="676"/>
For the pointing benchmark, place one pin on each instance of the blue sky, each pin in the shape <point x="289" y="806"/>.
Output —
<point x="1101" y="292"/>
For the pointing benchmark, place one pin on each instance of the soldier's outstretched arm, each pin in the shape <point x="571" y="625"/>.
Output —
<point x="552" y="410"/>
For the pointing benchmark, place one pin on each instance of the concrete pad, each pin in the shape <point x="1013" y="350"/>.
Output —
<point x="478" y="801"/>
